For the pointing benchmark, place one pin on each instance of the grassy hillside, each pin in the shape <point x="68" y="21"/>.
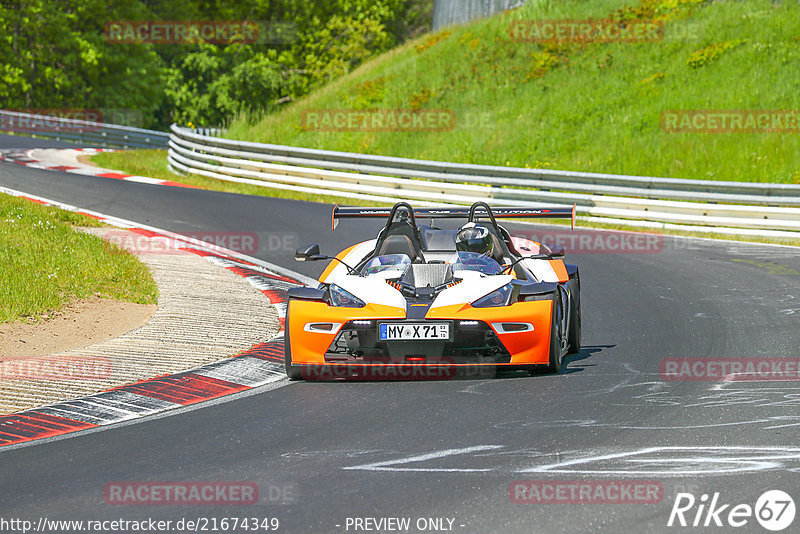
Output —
<point x="579" y="106"/>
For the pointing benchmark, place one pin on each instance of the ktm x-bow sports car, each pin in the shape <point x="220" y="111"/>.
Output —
<point x="421" y="296"/>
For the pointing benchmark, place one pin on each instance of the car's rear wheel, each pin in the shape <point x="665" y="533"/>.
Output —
<point x="574" y="336"/>
<point x="293" y="372"/>
<point x="555" y="339"/>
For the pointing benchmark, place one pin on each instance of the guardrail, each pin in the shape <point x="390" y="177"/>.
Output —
<point x="95" y="134"/>
<point x="725" y="207"/>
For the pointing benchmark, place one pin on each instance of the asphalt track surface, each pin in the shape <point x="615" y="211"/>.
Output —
<point x="451" y="449"/>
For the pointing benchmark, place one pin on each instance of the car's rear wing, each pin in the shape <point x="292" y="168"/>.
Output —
<point x="348" y="212"/>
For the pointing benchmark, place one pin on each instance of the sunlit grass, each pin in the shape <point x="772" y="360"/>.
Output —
<point x="585" y="107"/>
<point x="45" y="263"/>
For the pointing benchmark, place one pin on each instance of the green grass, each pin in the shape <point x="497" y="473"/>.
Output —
<point x="153" y="164"/>
<point x="46" y="263"/>
<point x="587" y="107"/>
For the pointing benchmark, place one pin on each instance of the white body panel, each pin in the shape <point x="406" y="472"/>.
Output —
<point x="352" y="258"/>
<point x="373" y="289"/>
<point x="541" y="270"/>
<point x="474" y="286"/>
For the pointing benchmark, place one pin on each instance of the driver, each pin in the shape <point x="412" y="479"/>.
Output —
<point x="474" y="245"/>
<point x="475" y="238"/>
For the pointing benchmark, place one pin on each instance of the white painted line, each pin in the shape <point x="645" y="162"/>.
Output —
<point x="744" y="461"/>
<point x="85" y="172"/>
<point x="144" y="180"/>
<point x="388" y="465"/>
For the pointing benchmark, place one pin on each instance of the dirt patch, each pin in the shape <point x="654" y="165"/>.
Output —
<point x="86" y="160"/>
<point x="82" y="323"/>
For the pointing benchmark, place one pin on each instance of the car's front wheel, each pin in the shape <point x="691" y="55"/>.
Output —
<point x="292" y="371"/>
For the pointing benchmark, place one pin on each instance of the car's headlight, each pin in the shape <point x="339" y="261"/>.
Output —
<point x="498" y="297"/>
<point x="344" y="299"/>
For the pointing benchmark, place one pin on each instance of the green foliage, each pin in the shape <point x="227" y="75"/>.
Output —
<point x="712" y="52"/>
<point x="342" y="44"/>
<point x="54" y="55"/>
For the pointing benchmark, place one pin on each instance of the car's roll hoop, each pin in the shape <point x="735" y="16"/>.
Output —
<point x="479" y="209"/>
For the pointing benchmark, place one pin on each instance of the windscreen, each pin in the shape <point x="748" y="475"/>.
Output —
<point x="387" y="262"/>
<point x="472" y="261"/>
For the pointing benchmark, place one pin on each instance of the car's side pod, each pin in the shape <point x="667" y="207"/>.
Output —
<point x="571" y="269"/>
<point x="535" y="290"/>
<point x="307" y="293"/>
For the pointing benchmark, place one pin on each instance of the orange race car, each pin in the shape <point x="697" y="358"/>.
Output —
<point x="420" y="299"/>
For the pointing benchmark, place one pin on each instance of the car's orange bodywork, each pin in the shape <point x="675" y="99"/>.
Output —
<point x="313" y="326"/>
<point x="526" y="348"/>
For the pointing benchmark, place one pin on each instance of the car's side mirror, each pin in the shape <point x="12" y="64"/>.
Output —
<point x="308" y="253"/>
<point x="555" y="251"/>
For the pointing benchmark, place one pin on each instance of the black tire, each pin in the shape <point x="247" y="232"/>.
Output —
<point x="291" y="371"/>
<point x="555" y="342"/>
<point x="574" y="336"/>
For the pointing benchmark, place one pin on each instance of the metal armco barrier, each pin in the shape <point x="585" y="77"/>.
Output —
<point x="94" y="134"/>
<point x="447" y="12"/>
<point x="750" y="208"/>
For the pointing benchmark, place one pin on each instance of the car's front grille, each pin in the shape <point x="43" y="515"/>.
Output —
<point x="473" y="341"/>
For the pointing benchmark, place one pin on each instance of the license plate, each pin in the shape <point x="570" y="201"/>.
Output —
<point x="411" y="331"/>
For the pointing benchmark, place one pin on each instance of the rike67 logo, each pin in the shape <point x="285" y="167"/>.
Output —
<point x="774" y="510"/>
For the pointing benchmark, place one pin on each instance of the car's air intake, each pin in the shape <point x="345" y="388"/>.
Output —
<point x="428" y="274"/>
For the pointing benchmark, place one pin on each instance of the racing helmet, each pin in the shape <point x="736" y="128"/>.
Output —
<point x="474" y="238"/>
